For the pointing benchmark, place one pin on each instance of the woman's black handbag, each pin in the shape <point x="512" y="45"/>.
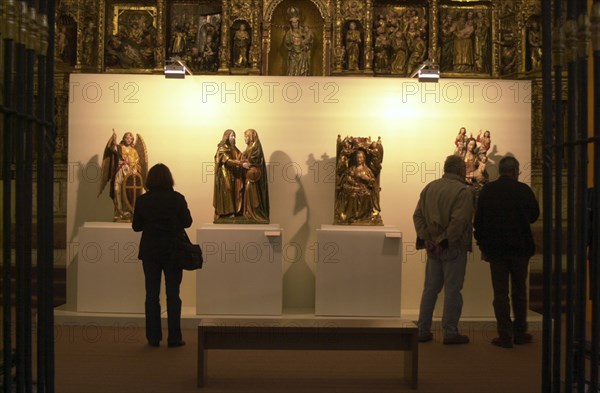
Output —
<point x="185" y="254"/>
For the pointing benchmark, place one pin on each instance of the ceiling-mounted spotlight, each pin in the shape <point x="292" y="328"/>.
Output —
<point x="174" y="71"/>
<point x="427" y="72"/>
<point x="175" y="68"/>
<point x="429" y="75"/>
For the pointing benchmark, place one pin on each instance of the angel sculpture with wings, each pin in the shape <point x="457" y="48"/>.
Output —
<point x="124" y="166"/>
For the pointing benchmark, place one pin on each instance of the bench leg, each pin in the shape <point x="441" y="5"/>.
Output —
<point x="201" y="360"/>
<point x="411" y="365"/>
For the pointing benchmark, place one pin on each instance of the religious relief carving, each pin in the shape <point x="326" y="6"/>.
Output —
<point x="358" y="169"/>
<point x="401" y="39"/>
<point x="382" y="47"/>
<point x="353" y="9"/>
<point x="132" y="38"/>
<point x="465" y="39"/>
<point x="193" y="35"/>
<point x="240" y="9"/>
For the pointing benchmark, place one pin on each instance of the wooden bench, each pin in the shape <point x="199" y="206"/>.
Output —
<point x="310" y="334"/>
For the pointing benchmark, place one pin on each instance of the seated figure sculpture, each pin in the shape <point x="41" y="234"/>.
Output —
<point x="358" y="167"/>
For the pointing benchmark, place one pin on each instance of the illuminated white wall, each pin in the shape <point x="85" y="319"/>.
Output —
<point x="298" y="120"/>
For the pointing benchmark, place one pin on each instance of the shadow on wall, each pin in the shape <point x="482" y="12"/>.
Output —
<point x="310" y="206"/>
<point x="89" y="205"/>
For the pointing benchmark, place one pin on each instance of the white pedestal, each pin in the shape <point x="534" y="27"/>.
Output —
<point x="110" y="277"/>
<point x="358" y="271"/>
<point x="242" y="271"/>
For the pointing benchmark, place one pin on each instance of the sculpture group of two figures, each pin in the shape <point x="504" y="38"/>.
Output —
<point x="241" y="192"/>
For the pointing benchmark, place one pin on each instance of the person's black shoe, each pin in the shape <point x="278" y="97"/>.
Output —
<point x="424" y="338"/>
<point x="456" y="339"/>
<point x="503" y="343"/>
<point x="177" y="344"/>
<point x="154" y="343"/>
<point x="523" y="338"/>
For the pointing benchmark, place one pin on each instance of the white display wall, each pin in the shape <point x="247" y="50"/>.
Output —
<point x="298" y="120"/>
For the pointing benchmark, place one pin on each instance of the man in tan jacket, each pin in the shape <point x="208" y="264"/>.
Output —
<point x="443" y="222"/>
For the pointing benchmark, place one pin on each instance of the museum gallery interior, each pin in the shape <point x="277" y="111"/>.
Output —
<point x="301" y="133"/>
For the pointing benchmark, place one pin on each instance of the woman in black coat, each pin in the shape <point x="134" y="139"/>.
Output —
<point x="161" y="214"/>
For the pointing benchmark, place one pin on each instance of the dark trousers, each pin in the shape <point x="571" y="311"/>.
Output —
<point x="513" y="269"/>
<point x="153" y="270"/>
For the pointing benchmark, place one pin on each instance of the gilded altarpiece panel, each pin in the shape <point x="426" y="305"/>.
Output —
<point x="194" y="34"/>
<point x="401" y="38"/>
<point x="133" y="40"/>
<point x="296" y="38"/>
<point x="466" y="32"/>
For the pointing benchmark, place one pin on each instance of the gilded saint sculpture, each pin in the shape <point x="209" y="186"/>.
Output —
<point x="298" y="42"/>
<point x="241" y="44"/>
<point x="358" y="168"/>
<point x="353" y="42"/>
<point x="124" y="166"/>
<point x="241" y="193"/>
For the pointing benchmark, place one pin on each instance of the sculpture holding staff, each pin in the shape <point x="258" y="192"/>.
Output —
<point x="124" y="166"/>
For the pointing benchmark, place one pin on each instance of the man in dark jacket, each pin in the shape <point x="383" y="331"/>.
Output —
<point x="505" y="210"/>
